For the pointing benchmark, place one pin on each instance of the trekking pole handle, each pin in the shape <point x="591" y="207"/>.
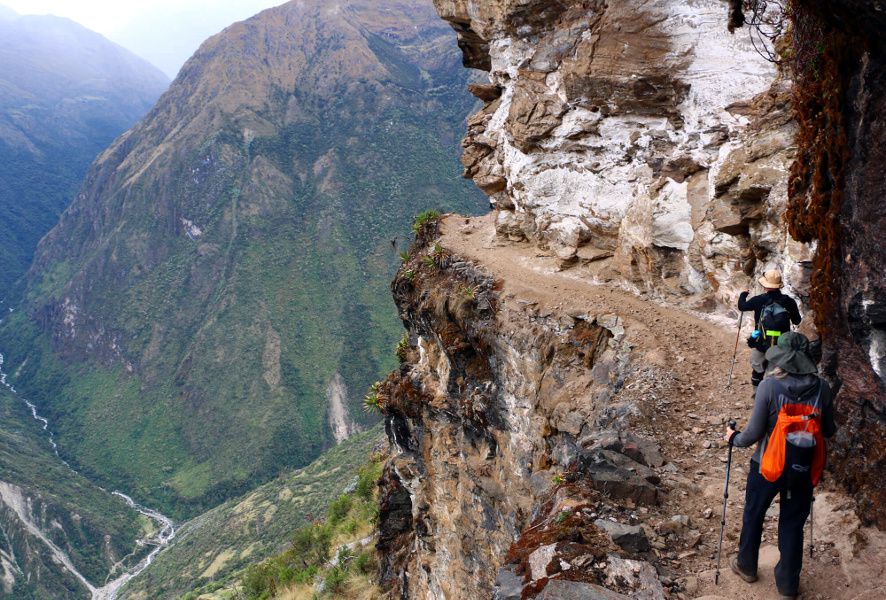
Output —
<point x="733" y="425"/>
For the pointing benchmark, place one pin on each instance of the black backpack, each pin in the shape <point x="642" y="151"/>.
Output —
<point x="774" y="320"/>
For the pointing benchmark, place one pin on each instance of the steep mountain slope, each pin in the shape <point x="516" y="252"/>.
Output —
<point x="221" y="278"/>
<point x="41" y="502"/>
<point x="564" y="386"/>
<point x="65" y="94"/>
<point x="216" y="546"/>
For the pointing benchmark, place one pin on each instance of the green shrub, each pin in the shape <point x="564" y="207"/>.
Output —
<point x="425" y="218"/>
<point x="364" y="563"/>
<point x="368" y="481"/>
<point x="335" y="579"/>
<point x="312" y="544"/>
<point x="339" y="509"/>
<point x="403" y="348"/>
<point x="372" y="400"/>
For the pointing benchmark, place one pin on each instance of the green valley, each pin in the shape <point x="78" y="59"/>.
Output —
<point x="212" y="307"/>
<point x="213" y="551"/>
<point x="40" y="497"/>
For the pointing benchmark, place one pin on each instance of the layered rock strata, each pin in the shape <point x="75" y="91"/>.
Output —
<point x="640" y="140"/>
<point x="518" y="456"/>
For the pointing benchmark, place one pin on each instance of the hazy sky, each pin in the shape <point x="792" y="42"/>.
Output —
<point x="164" y="32"/>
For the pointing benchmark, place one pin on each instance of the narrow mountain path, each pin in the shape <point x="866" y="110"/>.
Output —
<point x="685" y="405"/>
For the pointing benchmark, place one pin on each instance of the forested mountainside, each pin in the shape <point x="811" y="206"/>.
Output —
<point x="47" y="510"/>
<point x="65" y="94"/>
<point x="213" y="305"/>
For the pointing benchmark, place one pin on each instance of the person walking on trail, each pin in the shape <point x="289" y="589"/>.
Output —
<point x="792" y="414"/>
<point x="773" y="314"/>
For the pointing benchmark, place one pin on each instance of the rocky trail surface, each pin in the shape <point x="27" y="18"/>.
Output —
<point x="683" y="404"/>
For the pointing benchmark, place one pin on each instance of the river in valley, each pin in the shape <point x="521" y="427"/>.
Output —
<point x="160" y="539"/>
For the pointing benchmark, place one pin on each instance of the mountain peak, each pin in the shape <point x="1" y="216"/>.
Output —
<point x="228" y="259"/>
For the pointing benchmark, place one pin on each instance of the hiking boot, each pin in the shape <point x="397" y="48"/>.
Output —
<point x="733" y="564"/>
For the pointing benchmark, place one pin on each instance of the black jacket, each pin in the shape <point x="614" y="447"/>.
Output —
<point x="757" y="303"/>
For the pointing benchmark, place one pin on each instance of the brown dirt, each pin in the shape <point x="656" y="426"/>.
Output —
<point x="683" y="361"/>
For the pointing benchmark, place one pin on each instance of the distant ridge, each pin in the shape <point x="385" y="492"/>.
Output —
<point x="65" y="93"/>
<point x="229" y="257"/>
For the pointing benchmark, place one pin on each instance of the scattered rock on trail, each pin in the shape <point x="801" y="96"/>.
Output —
<point x="620" y="477"/>
<point x="629" y="537"/>
<point x="636" y="574"/>
<point x="576" y="590"/>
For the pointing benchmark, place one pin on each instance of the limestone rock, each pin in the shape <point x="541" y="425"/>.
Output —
<point x="639" y="575"/>
<point x="637" y="129"/>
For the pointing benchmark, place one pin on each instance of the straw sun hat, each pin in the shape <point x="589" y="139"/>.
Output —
<point x="771" y="280"/>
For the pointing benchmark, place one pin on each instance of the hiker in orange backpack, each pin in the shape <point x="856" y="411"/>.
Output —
<point x="792" y="416"/>
<point x="773" y="314"/>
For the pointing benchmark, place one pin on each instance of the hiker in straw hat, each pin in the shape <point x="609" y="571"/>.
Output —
<point x="773" y="314"/>
<point x="792" y="385"/>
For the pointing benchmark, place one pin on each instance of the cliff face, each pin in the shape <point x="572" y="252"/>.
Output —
<point x="489" y="403"/>
<point x="637" y="139"/>
<point x="623" y="145"/>
<point x="836" y="200"/>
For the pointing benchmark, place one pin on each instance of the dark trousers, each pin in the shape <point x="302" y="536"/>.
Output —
<point x="795" y="503"/>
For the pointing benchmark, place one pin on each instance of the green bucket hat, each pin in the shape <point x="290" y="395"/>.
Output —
<point x="792" y="354"/>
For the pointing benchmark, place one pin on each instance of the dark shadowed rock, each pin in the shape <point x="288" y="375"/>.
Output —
<point x="629" y="537"/>
<point x="576" y="590"/>
<point x="620" y="477"/>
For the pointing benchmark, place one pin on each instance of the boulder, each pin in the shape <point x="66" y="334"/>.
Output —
<point x="539" y="561"/>
<point x="636" y="574"/>
<point x="619" y="476"/>
<point x="642" y="450"/>
<point x="577" y="590"/>
<point x="628" y="537"/>
<point x="508" y="585"/>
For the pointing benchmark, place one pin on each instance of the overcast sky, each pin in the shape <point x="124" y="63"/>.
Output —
<point x="164" y="32"/>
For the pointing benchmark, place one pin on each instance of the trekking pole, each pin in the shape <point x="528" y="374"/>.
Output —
<point x="732" y="425"/>
<point x="812" y="526"/>
<point x="735" y="352"/>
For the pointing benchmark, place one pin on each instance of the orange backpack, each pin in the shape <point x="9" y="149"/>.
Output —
<point x="795" y="442"/>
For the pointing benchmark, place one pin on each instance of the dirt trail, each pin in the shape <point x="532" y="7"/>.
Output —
<point x="685" y="412"/>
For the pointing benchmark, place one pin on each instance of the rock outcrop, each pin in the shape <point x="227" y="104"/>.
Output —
<point x="640" y="140"/>
<point x="638" y="145"/>
<point x="493" y="415"/>
<point x="642" y="144"/>
<point x="837" y="191"/>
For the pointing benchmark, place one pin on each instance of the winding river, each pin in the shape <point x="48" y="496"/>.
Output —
<point x="160" y="539"/>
